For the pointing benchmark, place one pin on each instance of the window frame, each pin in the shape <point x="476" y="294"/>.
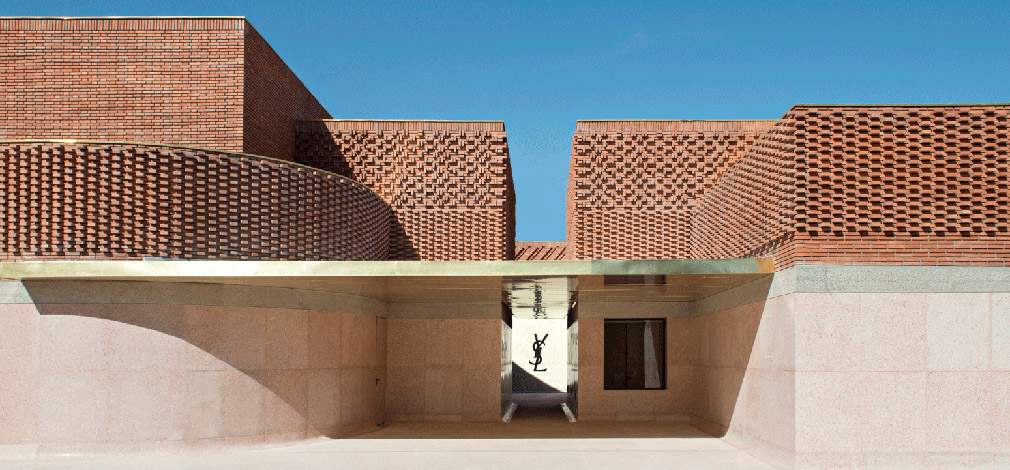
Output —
<point x="607" y="385"/>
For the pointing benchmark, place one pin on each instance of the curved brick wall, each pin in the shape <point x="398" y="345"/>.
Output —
<point x="129" y="201"/>
<point x="632" y="184"/>
<point x="868" y="185"/>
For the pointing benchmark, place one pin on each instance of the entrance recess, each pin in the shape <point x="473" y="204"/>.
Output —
<point x="540" y="345"/>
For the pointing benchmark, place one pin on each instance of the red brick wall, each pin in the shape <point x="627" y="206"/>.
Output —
<point x="123" y="201"/>
<point x="176" y="81"/>
<point x="449" y="183"/>
<point x="274" y="100"/>
<point x="920" y="185"/>
<point x="204" y="82"/>
<point x="750" y="209"/>
<point x="632" y="184"/>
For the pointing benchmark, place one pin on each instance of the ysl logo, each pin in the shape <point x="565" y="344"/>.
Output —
<point x="538" y="347"/>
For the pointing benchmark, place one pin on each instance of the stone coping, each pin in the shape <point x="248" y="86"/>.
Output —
<point x="209" y="269"/>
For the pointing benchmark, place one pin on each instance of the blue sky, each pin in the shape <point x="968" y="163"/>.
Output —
<point x="540" y="66"/>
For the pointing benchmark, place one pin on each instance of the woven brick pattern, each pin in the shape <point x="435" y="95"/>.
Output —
<point x="915" y="171"/>
<point x="541" y="251"/>
<point x="750" y="208"/>
<point x="449" y="184"/>
<point x="636" y="234"/>
<point x="127" y="201"/>
<point x="869" y="185"/>
<point x="632" y="184"/>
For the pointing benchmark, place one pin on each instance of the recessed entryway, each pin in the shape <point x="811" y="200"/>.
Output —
<point x="539" y="348"/>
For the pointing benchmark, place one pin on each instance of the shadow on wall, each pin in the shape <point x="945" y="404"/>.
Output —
<point x="400" y="245"/>
<point x="741" y="361"/>
<point x="525" y="382"/>
<point x="181" y="375"/>
<point x="715" y="365"/>
<point x="332" y="158"/>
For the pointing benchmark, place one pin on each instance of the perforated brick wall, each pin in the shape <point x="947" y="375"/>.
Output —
<point x="750" y="209"/>
<point x="449" y="183"/>
<point x="921" y="185"/>
<point x="207" y="82"/>
<point x="124" y="201"/>
<point x="632" y="184"/>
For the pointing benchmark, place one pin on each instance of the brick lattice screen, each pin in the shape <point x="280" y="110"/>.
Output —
<point x="129" y="201"/>
<point x="449" y="183"/>
<point x="919" y="185"/>
<point x="632" y="184"/>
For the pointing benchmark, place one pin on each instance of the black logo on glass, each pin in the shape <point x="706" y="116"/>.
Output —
<point x="538" y="348"/>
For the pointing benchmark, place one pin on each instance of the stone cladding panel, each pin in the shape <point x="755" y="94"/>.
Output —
<point x="131" y="201"/>
<point x="449" y="183"/>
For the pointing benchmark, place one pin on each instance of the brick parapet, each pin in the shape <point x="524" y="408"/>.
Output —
<point x="88" y="200"/>
<point x="163" y="23"/>
<point x="663" y="126"/>
<point x="366" y="125"/>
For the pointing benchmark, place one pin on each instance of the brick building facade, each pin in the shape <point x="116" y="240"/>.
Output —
<point x="829" y="289"/>
<point x="204" y="82"/>
<point x="632" y="185"/>
<point x="215" y="83"/>
<point x="836" y="184"/>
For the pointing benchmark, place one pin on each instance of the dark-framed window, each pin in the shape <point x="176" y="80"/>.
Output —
<point x="634" y="354"/>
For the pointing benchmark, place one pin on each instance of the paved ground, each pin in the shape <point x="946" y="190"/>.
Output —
<point x="526" y="443"/>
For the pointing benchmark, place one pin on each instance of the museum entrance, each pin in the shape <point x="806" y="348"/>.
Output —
<point x="539" y="348"/>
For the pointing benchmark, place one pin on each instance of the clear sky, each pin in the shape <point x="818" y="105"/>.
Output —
<point x="539" y="66"/>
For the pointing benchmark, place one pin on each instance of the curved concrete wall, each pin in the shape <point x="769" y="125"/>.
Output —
<point x="231" y="366"/>
<point x="83" y="200"/>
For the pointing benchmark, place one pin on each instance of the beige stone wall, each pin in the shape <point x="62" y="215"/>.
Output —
<point x="854" y="380"/>
<point x="119" y="377"/>
<point x="743" y="363"/>
<point x="675" y="402"/>
<point x="443" y="369"/>
<point x="903" y="379"/>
